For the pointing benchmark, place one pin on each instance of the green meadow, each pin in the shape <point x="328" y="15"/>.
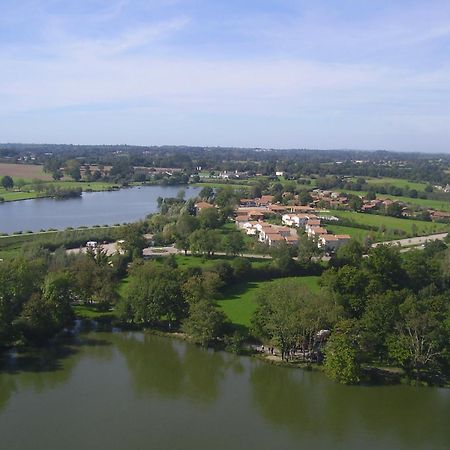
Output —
<point x="240" y="301"/>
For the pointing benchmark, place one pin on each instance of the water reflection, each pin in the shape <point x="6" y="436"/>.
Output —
<point x="316" y="409"/>
<point x="171" y="368"/>
<point x="137" y="388"/>
<point x="45" y="368"/>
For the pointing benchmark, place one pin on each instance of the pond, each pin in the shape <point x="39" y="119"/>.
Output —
<point x="138" y="391"/>
<point x="92" y="208"/>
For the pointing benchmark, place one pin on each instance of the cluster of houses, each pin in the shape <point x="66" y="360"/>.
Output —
<point x="337" y="200"/>
<point x="251" y="215"/>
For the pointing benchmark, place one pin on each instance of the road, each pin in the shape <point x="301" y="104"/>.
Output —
<point x="414" y="241"/>
<point x="149" y="252"/>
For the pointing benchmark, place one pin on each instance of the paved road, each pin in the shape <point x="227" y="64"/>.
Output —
<point x="149" y="252"/>
<point x="111" y="249"/>
<point x="414" y="241"/>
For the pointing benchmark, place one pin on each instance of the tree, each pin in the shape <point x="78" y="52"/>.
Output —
<point x="341" y="355"/>
<point x="134" y="241"/>
<point x="348" y="287"/>
<point x="384" y="266"/>
<point x="350" y="254"/>
<point x="307" y="248"/>
<point x="304" y="197"/>
<point x="154" y="293"/>
<point x="207" y="193"/>
<point x="282" y="257"/>
<point x="36" y="319"/>
<point x="255" y="191"/>
<point x="291" y="316"/>
<point x="19" y="279"/>
<point x="421" y="338"/>
<point x="106" y="296"/>
<point x="421" y="270"/>
<point x="72" y="169"/>
<point x="394" y="209"/>
<point x="355" y="202"/>
<point x="7" y="182"/>
<point x="182" y="244"/>
<point x="44" y="315"/>
<point x="209" y="218"/>
<point x="242" y="268"/>
<point x="234" y="243"/>
<point x="205" y="242"/>
<point x="59" y="292"/>
<point x="204" y="286"/>
<point x="378" y="322"/>
<point x="186" y="224"/>
<point x="204" y="322"/>
<point x="226" y="197"/>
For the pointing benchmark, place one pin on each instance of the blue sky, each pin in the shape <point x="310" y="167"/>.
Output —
<point x="267" y="73"/>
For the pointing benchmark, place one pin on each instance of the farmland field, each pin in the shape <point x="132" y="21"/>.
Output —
<point x="397" y="182"/>
<point x="407" y="225"/>
<point x="25" y="171"/>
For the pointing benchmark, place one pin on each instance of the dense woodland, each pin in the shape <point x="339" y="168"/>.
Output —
<point x="295" y="163"/>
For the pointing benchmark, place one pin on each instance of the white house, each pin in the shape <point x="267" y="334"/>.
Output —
<point x="316" y="231"/>
<point x="294" y="220"/>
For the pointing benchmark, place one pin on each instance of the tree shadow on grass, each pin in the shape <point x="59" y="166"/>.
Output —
<point x="235" y="291"/>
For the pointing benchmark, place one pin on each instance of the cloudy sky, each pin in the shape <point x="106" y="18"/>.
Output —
<point x="269" y="73"/>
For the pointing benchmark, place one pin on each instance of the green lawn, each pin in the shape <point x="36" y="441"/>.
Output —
<point x="239" y="301"/>
<point x="10" y="196"/>
<point x="91" y="312"/>
<point x="355" y="233"/>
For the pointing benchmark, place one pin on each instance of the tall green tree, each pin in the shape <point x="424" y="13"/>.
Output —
<point x="204" y="322"/>
<point x="422" y="341"/>
<point x="234" y="243"/>
<point x="7" y="182"/>
<point x="342" y="356"/>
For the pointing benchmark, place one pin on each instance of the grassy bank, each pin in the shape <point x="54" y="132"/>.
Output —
<point x="12" y="245"/>
<point x="31" y="190"/>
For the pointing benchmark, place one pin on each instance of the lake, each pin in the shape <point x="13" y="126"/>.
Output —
<point x="135" y="391"/>
<point x="92" y="208"/>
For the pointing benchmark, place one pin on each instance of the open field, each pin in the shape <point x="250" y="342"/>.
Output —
<point x="240" y="301"/>
<point x="397" y="182"/>
<point x="25" y="171"/>
<point x="355" y="233"/>
<point x="409" y="226"/>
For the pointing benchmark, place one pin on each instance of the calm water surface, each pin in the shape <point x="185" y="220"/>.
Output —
<point x="136" y="391"/>
<point x="92" y="208"/>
